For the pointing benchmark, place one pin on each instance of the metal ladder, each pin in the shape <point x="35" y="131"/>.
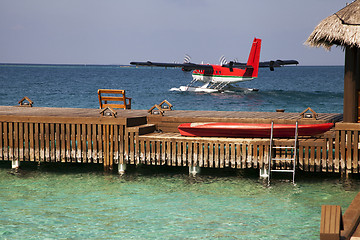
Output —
<point x="292" y="159"/>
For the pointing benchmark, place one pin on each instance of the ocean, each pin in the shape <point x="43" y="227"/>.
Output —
<point x="292" y="88"/>
<point x="53" y="202"/>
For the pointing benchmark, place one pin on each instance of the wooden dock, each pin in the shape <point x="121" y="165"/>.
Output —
<point x="137" y="137"/>
<point x="172" y="119"/>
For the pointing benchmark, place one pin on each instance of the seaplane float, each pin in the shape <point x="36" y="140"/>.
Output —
<point x="220" y="78"/>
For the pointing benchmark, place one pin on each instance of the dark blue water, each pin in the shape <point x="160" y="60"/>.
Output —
<point x="290" y="88"/>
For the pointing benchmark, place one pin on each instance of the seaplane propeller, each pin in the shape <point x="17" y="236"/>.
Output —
<point x="187" y="58"/>
<point x="223" y="60"/>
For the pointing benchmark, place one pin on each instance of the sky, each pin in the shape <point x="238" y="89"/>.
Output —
<point x="120" y="31"/>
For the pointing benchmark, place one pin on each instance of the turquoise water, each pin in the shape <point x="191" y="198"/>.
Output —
<point x="148" y="204"/>
<point x="53" y="203"/>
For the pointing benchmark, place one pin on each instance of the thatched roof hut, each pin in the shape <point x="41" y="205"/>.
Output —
<point x="342" y="28"/>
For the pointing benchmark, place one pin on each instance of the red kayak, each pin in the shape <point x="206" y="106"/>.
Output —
<point x="218" y="129"/>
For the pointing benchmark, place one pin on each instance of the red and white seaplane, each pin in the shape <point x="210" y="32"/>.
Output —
<point x="218" y="78"/>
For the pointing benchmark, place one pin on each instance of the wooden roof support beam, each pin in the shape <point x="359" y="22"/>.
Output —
<point x="351" y="84"/>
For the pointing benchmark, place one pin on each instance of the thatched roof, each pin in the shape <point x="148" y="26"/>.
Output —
<point x="341" y="28"/>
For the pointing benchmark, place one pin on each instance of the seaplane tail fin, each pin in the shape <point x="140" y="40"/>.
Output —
<point x="254" y="57"/>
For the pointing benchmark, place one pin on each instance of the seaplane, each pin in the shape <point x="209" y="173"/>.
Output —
<point x="220" y="78"/>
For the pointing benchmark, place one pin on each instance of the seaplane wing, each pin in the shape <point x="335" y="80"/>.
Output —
<point x="193" y="66"/>
<point x="269" y="64"/>
<point x="184" y="66"/>
<point x="277" y="63"/>
<point x="238" y="65"/>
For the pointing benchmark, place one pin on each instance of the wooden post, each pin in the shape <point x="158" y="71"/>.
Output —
<point x="106" y="147"/>
<point x="121" y="168"/>
<point x="357" y="84"/>
<point x="194" y="170"/>
<point x="351" y="85"/>
<point x="15" y="164"/>
<point x="264" y="173"/>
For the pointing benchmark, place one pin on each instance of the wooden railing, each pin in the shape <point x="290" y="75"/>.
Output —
<point x="337" y="151"/>
<point x="174" y="150"/>
<point x="345" y="147"/>
<point x="108" y="141"/>
<point x="62" y="142"/>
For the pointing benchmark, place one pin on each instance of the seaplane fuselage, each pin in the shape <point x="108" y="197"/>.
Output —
<point x="222" y="74"/>
<point x="217" y="77"/>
